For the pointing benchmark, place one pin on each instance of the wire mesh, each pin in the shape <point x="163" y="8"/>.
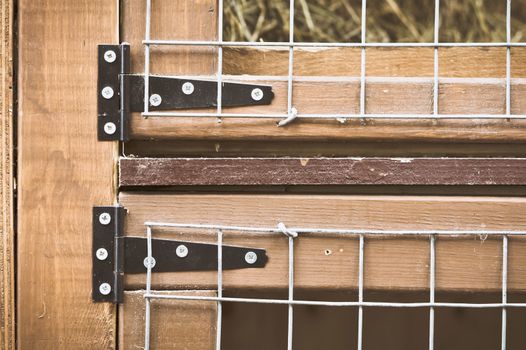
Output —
<point x="292" y="112"/>
<point x="295" y="233"/>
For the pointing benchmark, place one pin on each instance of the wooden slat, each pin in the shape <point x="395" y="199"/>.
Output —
<point x="317" y="89"/>
<point x="63" y="172"/>
<point x="331" y="262"/>
<point x="7" y="254"/>
<point x="321" y="171"/>
<point x="174" y="324"/>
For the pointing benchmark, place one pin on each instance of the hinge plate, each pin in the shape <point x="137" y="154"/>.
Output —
<point x="115" y="255"/>
<point x="120" y="93"/>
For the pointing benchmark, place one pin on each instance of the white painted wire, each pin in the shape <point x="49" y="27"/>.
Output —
<point x="219" y="60"/>
<point x="219" y="323"/>
<point x="286" y="44"/>
<point x="290" y="110"/>
<point x="362" y="57"/>
<point x="360" y="292"/>
<point x="372" y="304"/>
<point x="504" y="290"/>
<point x="432" y="278"/>
<point x="508" y="57"/>
<point x="290" y="325"/>
<point x="147" y="57"/>
<point x="436" y="40"/>
<point x="333" y="116"/>
<point x="147" y="322"/>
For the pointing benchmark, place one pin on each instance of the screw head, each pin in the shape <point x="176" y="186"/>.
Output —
<point x="149" y="262"/>
<point x="105" y="218"/>
<point x="107" y="92"/>
<point x="155" y="100"/>
<point x="181" y="251"/>
<point x="110" y="128"/>
<point x="188" y="88"/>
<point x="101" y="254"/>
<point x="257" y="94"/>
<point x="110" y="56"/>
<point x="105" y="288"/>
<point x="251" y="258"/>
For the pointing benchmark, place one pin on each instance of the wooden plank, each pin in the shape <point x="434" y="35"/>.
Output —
<point x="321" y="171"/>
<point x="324" y="95"/>
<point x="331" y="261"/>
<point x="7" y="253"/>
<point x="63" y="172"/>
<point x="317" y="89"/>
<point x="175" y="324"/>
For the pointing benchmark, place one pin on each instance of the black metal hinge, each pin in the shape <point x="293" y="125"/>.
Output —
<point x="120" y="93"/>
<point x="115" y="255"/>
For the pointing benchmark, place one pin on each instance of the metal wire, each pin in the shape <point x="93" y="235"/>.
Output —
<point x="293" y="233"/>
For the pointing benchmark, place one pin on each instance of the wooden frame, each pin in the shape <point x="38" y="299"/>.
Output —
<point x="7" y="253"/>
<point x="327" y="81"/>
<point x="321" y="171"/>
<point x="330" y="261"/>
<point x="63" y="172"/>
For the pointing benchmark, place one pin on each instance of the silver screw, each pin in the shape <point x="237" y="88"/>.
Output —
<point x="101" y="254"/>
<point x="257" y="94"/>
<point x="105" y="218"/>
<point x="149" y="262"/>
<point x="251" y="258"/>
<point x="110" y="128"/>
<point x="105" y="289"/>
<point x="155" y="100"/>
<point x="188" y="88"/>
<point x="110" y="56"/>
<point x="107" y="92"/>
<point x="181" y="251"/>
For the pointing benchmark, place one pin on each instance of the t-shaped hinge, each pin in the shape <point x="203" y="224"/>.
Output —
<point x="120" y="93"/>
<point x="115" y="255"/>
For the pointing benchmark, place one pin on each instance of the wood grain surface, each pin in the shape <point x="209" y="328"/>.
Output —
<point x="321" y="171"/>
<point x="63" y="172"/>
<point x="7" y="239"/>
<point x="331" y="261"/>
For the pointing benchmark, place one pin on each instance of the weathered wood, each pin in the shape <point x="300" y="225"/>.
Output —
<point x="331" y="261"/>
<point x="321" y="171"/>
<point x="7" y="253"/>
<point x="63" y="172"/>
<point x="174" y="324"/>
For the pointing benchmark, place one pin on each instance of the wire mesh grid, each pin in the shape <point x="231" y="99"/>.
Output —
<point x="292" y="112"/>
<point x="294" y="233"/>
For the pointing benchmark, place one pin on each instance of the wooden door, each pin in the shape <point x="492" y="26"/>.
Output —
<point x="367" y="175"/>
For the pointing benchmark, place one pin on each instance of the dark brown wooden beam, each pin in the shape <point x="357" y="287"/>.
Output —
<point x="321" y="171"/>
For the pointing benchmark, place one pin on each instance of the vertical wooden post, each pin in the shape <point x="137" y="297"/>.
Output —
<point x="63" y="171"/>
<point x="7" y="301"/>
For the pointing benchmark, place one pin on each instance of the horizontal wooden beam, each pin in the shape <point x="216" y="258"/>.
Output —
<point x="341" y="96"/>
<point x="331" y="261"/>
<point x="321" y="171"/>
